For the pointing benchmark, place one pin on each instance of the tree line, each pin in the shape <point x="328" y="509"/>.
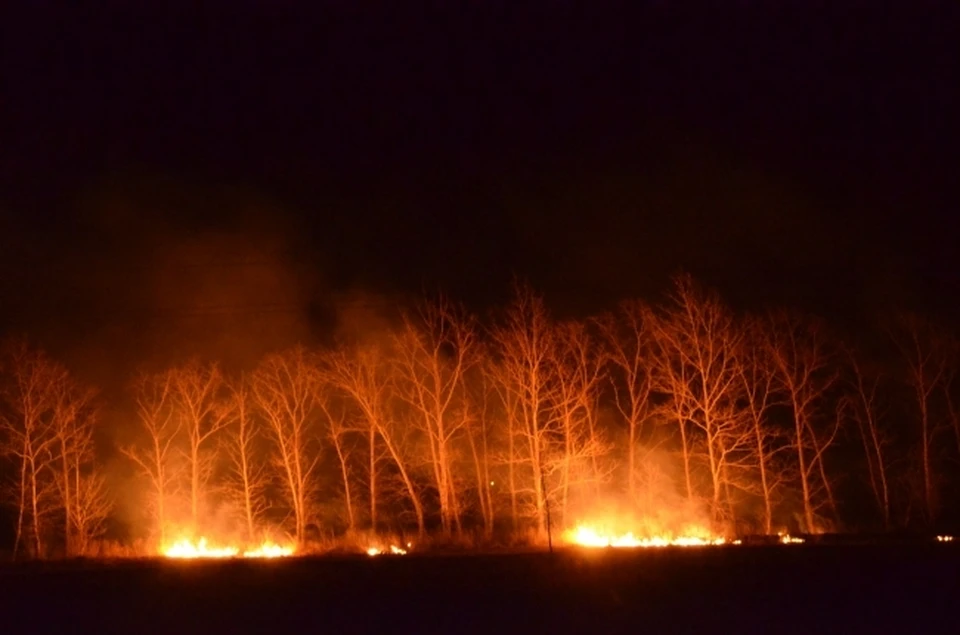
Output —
<point x="447" y="425"/>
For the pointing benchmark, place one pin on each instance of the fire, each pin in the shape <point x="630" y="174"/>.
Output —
<point x="586" y="536"/>
<point x="395" y="550"/>
<point x="944" y="538"/>
<point x="269" y="550"/>
<point x="787" y="539"/>
<point x="201" y="549"/>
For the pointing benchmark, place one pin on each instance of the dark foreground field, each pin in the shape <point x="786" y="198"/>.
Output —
<point x="791" y="589"/>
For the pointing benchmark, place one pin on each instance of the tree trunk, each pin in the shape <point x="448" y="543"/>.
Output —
<point x="345" y="473"/>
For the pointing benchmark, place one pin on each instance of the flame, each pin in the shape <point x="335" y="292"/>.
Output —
<point x="398" y="551"/>
<point x="201" y="549"/>
<point x="269" y="550"/>
<point x="587" y="536"/>
<point x="787" y="539"/>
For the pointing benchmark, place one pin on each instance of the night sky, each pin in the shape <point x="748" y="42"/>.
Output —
<point x="249" y="167"/>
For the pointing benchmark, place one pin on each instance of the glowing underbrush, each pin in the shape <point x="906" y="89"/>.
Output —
<point x="202" y="549"/>
<point x="591" y="537"/>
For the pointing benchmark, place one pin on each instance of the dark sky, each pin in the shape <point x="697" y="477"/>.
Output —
<point x="252" y="158"/>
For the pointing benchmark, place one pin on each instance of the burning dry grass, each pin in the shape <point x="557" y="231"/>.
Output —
<point x="201" y="549"/>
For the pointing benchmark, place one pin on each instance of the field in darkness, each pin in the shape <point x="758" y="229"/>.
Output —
<point x="737" y="589"/>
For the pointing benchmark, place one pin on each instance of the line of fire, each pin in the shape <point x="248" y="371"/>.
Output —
<point x="674" y="423"/>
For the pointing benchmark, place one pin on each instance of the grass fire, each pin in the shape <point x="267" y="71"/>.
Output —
<point x="202" y="549"/>
<point x="680" y="423"/>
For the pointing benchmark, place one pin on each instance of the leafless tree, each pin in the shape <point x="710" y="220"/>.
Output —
<point x="29" y="436"/>
<point x="866" y="411"/>
<point x="923" y="348"/>
<point x="627" y="338"/>
<point x="248" y="477"/>
<point x="197" y="391"/>
<point x="479" y="407"/>
<point x="364" y="375"/>
<point x="156" y="408"/>
<point x="92" y="504"/>
<point x="577" y="368"/>
<point x="284" y="389"/>
<point x="798" y="350"/>
<point x="434" y="351"/>
<point x="758" y="380"/>
<point x="502" y="399"/>
<point x="338" y="430"/>
<point x="524" y="343"/>
<point x="697" y="344"/>
<point x="72" y="420"/>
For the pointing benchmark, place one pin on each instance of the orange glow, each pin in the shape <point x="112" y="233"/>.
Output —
<point x="787" y="539"/>
<point x="202" y="549"/>
<point x="393" y="549"/>
<point x="589" y="536"/>
<point x="944" y="538"/>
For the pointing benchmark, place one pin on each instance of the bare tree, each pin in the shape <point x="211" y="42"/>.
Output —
<point x="284" y="389"/>
<point x="72" y="422"/>
<point x="29" y="436"/>
<point x="92" y="504"/>
<point x="197" y="390"/>
<point x="758" y="379"/>
<point x="156" y="408"/>
<point x="627" y="338"/>
<point x="923" y="349"/>
<point x="697" y="344"/>
<point x="497" y="385"/>
<point x="577" y="368"/>
<point x="434" y="351"/>
<point x="524" y="342"/>
<point x="248" y="478"/>
<point x="363" y="374"/>
<point x="866" y="411"/>
<point x="337" y="430"/>
<point x="479" y="406"/>
<point x="797" y="348"/>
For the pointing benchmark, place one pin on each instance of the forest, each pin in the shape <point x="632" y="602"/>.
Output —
<point x="481" y="430"/>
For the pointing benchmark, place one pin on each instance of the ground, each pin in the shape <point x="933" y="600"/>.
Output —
<point x="782" y="589"/>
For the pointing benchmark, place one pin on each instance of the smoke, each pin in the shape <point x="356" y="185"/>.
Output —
<point x="149" y="283"/>
<point x="658" y="508"/>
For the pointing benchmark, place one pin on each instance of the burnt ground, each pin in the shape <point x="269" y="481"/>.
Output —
<point x="756" y="589"/>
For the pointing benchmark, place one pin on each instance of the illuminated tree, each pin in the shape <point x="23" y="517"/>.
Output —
<point x="248" y="478"/>
<point x="364" y="375"/>
<point x="758" y="383"/>
<point x="627" y="338"/>
<point x="154" y="395"/>
<point x="697" y="346"/>
<point x="924" y="349"/>
<point x="501" y="395"/>
<point x="197" y="391"/>
<point x="92" y="504"/>
<point x="337" y="431"/>
<point x="577" y="368"/>
<point x="524" y="344"/>
<point x="80" y="488"/>
<point x="798" y="351"/>
<point x="284" y="388"/>
<point x="478" y="413"/>
<point x="434" y="350"/>
<point x="29" y="437"/>
<point x="865" y="410"/>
